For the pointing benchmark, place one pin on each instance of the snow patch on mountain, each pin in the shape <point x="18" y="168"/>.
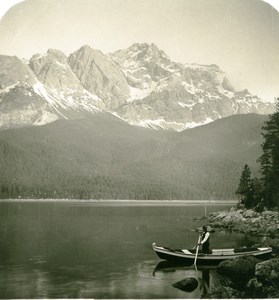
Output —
<point x="40" y="90"/>
<point x="159" y="124"/>
<point x="186" y="105"/>
<point x="195" y="124"/>
<point x="69" y="99"/>
<point x="163" y="124"/>
<point x="137" y="93"/>
<point x="45" y="118"/>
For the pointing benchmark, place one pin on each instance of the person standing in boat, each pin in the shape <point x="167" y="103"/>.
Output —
<point x="205" y="240"/>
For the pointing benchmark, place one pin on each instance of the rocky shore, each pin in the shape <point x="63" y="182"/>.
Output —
<point x="248" y="277"/>
<point x="250" y="222"/>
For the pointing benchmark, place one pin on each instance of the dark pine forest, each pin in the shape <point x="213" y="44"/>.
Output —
<point x="105" y="158"/>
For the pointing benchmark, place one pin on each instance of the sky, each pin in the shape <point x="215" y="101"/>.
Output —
<point x="240" y="36"/>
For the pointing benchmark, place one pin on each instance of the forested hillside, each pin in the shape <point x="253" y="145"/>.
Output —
<point x="105" y="158"/>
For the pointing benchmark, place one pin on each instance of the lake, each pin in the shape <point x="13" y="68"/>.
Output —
<point x="72" y="249"/>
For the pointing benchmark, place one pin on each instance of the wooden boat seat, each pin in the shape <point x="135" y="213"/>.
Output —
<point x="186" y="251"/>
<point x="222" y="251"/>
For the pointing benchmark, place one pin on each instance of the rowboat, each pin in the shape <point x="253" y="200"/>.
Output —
<point x="187" y="256"/>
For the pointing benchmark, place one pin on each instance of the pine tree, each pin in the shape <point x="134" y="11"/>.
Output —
<point x="257" y="194"/>
<point x="269" y="160"/>
<point x="244" y="187"/>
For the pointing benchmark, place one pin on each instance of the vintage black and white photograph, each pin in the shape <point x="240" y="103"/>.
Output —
<point x="139" y="149"/>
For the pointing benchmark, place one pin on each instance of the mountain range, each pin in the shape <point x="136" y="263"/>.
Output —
<point x="140" y="85"/>
<point x="99" y="113"/>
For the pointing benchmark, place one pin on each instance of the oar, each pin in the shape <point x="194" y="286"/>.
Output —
<point x="197" y="251"/>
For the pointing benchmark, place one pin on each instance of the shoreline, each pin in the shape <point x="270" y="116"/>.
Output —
<point x="124" y="201"/>
<point x="248" y="221"/>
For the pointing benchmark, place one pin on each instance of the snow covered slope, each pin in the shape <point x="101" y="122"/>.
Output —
<point x="172" y="95"/>
<point x="140" y="85"/>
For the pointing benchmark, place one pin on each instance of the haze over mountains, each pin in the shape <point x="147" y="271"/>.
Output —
<point x="141" y="85"/>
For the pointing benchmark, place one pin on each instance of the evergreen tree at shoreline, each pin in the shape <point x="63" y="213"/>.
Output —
<point x="263" y="192"/>
<point x="269" y="160"/>
<point x="244" y="186"/>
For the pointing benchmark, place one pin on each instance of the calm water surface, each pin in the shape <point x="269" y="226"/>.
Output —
<point x="98" y="250"/>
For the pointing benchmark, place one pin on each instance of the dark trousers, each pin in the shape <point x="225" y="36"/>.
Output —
<point x="205" y="248"/>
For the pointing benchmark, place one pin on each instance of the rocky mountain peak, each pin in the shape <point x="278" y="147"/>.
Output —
<point x="52" y="69"/>
<point x="85" y="55"/>
<point x="100" y="75"/>
<point x="146" y="51"/>
<point x="165" y="94"/>
<point x="144" y="65"/>
<point x="144" y="55"/>
<point x="85" y="50"/>
<point x="40" y="61"/>
<point x="14" y="70"/>
<point x="57" y="55"/>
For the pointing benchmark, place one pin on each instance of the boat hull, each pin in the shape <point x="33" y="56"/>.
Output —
<point x="188" y="258"/>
